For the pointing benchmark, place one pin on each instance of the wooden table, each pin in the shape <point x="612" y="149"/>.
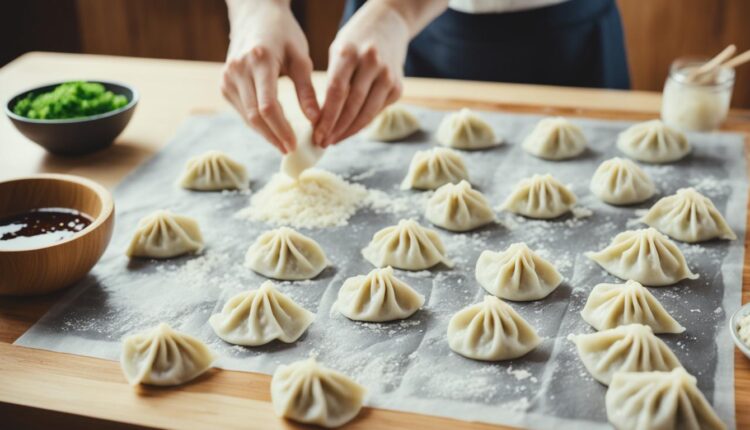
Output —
<point x="40" y="388"/>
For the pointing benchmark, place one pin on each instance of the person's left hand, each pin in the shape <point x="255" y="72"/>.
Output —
<point x="365" y="72"/>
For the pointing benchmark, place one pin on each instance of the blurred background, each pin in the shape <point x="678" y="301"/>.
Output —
<point x="657" y="31"/>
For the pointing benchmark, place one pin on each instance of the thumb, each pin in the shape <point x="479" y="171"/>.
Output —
<point x="300" y="72"/>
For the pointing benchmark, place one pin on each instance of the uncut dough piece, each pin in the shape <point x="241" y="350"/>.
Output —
<point x="688" y="216"/>
<point x="260" y="316"/>
<point x="517" y="273"/>
<point x="619" y="181"/>
<point x="540" y="196"/>
<point x="394" y="123"/>
<point x="459" y="208"/>
<point x="164" y="234"/>
<point x="653" y="142"/>
<point x="304" y="156"/>
<point x="466" y="130"/>
<point x="163" y="356"/>
<point x="212" y="171"/>
<point x="307" y="392"/>
<point x="555" y="139"/>
<point x="286" y="255"/>
<point x="646" y="256"/>
<point x="434" y="168"/>
<point x="659" y="400"/>
<point x="407" y="246"/>
<point x="491" y="331"/>
<point x="377" y="297"/>
<point x="613" y="305"/>
<point x="628" y="348"/>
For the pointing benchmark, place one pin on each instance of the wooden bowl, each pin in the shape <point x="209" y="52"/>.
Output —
<point x="43" y="269"/>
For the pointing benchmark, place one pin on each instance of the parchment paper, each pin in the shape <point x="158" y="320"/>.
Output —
<point x="407" y="365"/>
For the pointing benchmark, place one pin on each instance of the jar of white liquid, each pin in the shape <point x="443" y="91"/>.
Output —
<point x="692" y="104"/>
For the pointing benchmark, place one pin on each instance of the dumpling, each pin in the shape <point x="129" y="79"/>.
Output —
<point x="653" y="142"/>
<point x="516" y="274"/>
<point x="212" y="171"/>
<point x="431" y="169"/>
<point x="286" y="255"/>
<point x="619" y="181"/>
<point x="459" y="208"/>
<point x="260" y="316"/>
<point x="304" y="156"/>
<point x="164" y="234"/>
<point x="491" y="331"/>
<point x="540" y="196"/>
<point x="628" y="348"/>
<point x="378" y="297"/>
<point x="555" y="139"/>
<point x="612" y="305"/>
<point x="465" y="130"/>
<point x="407" y="246"/>
<point x="307" y="392"/>
<point x="659" y="400"/>
<point x="646" y="256"/>
<point x="394" y="123"/>
<point x="162" y="356"/>
<point x="688" y="216"/>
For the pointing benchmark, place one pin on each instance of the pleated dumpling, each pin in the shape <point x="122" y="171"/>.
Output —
<point x="491" y="331"/>
<point x="555" y="139"/>
<point x="260" y="316"/>
<point x="459" y="207"/>
<point x="164" y="234"/>
<point x="627" y="348"/>
<point x="394" y="123"/>
<point x="309" y="393"/>
<point x="212" y="171"/>
<point x="619" y="181"/>
<point x="286" y="255"/>
<point x="378" y="297"/>
<point x="646" y="256"/>
<point x="517" y="273"/>
<point x="540" y="196"/>
<point x="465" y="130"/>
<point x="659" y="400"/>
<point x="612" y="305"/>
<point x="407" y="246"/>
<point x="431" y="169"/>
<point x="304" y="156"/>
<point x="688" y="216"/>
<point x="163" y="356"/>
<point x="653" y="142"/>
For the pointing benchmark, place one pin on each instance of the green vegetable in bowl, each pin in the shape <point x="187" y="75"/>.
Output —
<point x="70" y="100"/>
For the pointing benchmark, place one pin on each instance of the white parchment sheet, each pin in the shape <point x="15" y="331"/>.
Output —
<point x="407" y="365"/>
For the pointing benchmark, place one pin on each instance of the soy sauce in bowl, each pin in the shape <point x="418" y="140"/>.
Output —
<point x="40" y="227"/>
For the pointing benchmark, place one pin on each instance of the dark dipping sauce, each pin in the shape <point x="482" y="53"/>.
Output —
<point x="40" y="227"/>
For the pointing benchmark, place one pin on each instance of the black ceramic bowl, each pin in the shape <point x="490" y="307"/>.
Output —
<point x="78" y="135"/>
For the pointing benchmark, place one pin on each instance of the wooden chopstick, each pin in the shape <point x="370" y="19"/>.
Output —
<point x="712" y="64"/>
<point x="738" y="60"/>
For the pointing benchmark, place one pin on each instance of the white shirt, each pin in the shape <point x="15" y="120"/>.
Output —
<point x="496" y="6"/>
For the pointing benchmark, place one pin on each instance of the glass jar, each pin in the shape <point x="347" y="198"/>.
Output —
<point x="696" y="106"/>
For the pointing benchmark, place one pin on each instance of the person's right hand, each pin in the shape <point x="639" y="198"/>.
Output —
<point x="267" y="42"/>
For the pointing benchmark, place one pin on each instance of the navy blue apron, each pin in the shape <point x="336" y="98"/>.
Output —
<point x="576" y="43"/>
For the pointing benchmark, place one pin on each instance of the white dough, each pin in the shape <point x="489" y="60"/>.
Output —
<point x="286" y="255"/>
<point x="619" y="181"/>
<point x="516" y="274"/>
<point x="555" y="139"/>
<point x="379" y="296"/>
<point x="304" y="156"/>
<point x="431" y="169"/>
<point x="212" y="171"/>
<point x="459" y="208"/>
<point x="164" y="234"/>
<point x="309" y="393"/>
<point x="540" y="196"/>
<point x="395" y="122"/>
<point x="162" y="356"/>
<point x="653" y="142"/>
<point x="260" y="316"/>
<point x="466" y="130"/>
<point x="407" y="246"/>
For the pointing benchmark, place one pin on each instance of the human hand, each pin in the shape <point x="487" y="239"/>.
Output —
<point x="365" y="71"/>
<point x="266" y="43"/>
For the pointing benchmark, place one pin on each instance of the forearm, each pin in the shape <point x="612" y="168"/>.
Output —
<point x="415" y="13"/>
<point x="242" y="12"/>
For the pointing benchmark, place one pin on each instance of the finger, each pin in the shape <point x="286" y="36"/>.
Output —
<point x="375" y="102"/>
<point x="249" y="111"/>
<point x="265" y="76"/>
<point x="300" y="72"/>
<point x="340" y="74"/>
<point x="364" y="76"/>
